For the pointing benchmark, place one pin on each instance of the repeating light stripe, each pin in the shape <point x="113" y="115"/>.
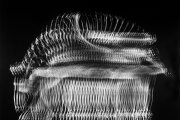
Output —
<point x="88" y="67"/>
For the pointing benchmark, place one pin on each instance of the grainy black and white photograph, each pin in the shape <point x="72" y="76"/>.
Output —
<point x="89" y="63"/>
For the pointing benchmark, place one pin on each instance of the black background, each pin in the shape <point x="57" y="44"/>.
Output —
<point x="21" y="23"/>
